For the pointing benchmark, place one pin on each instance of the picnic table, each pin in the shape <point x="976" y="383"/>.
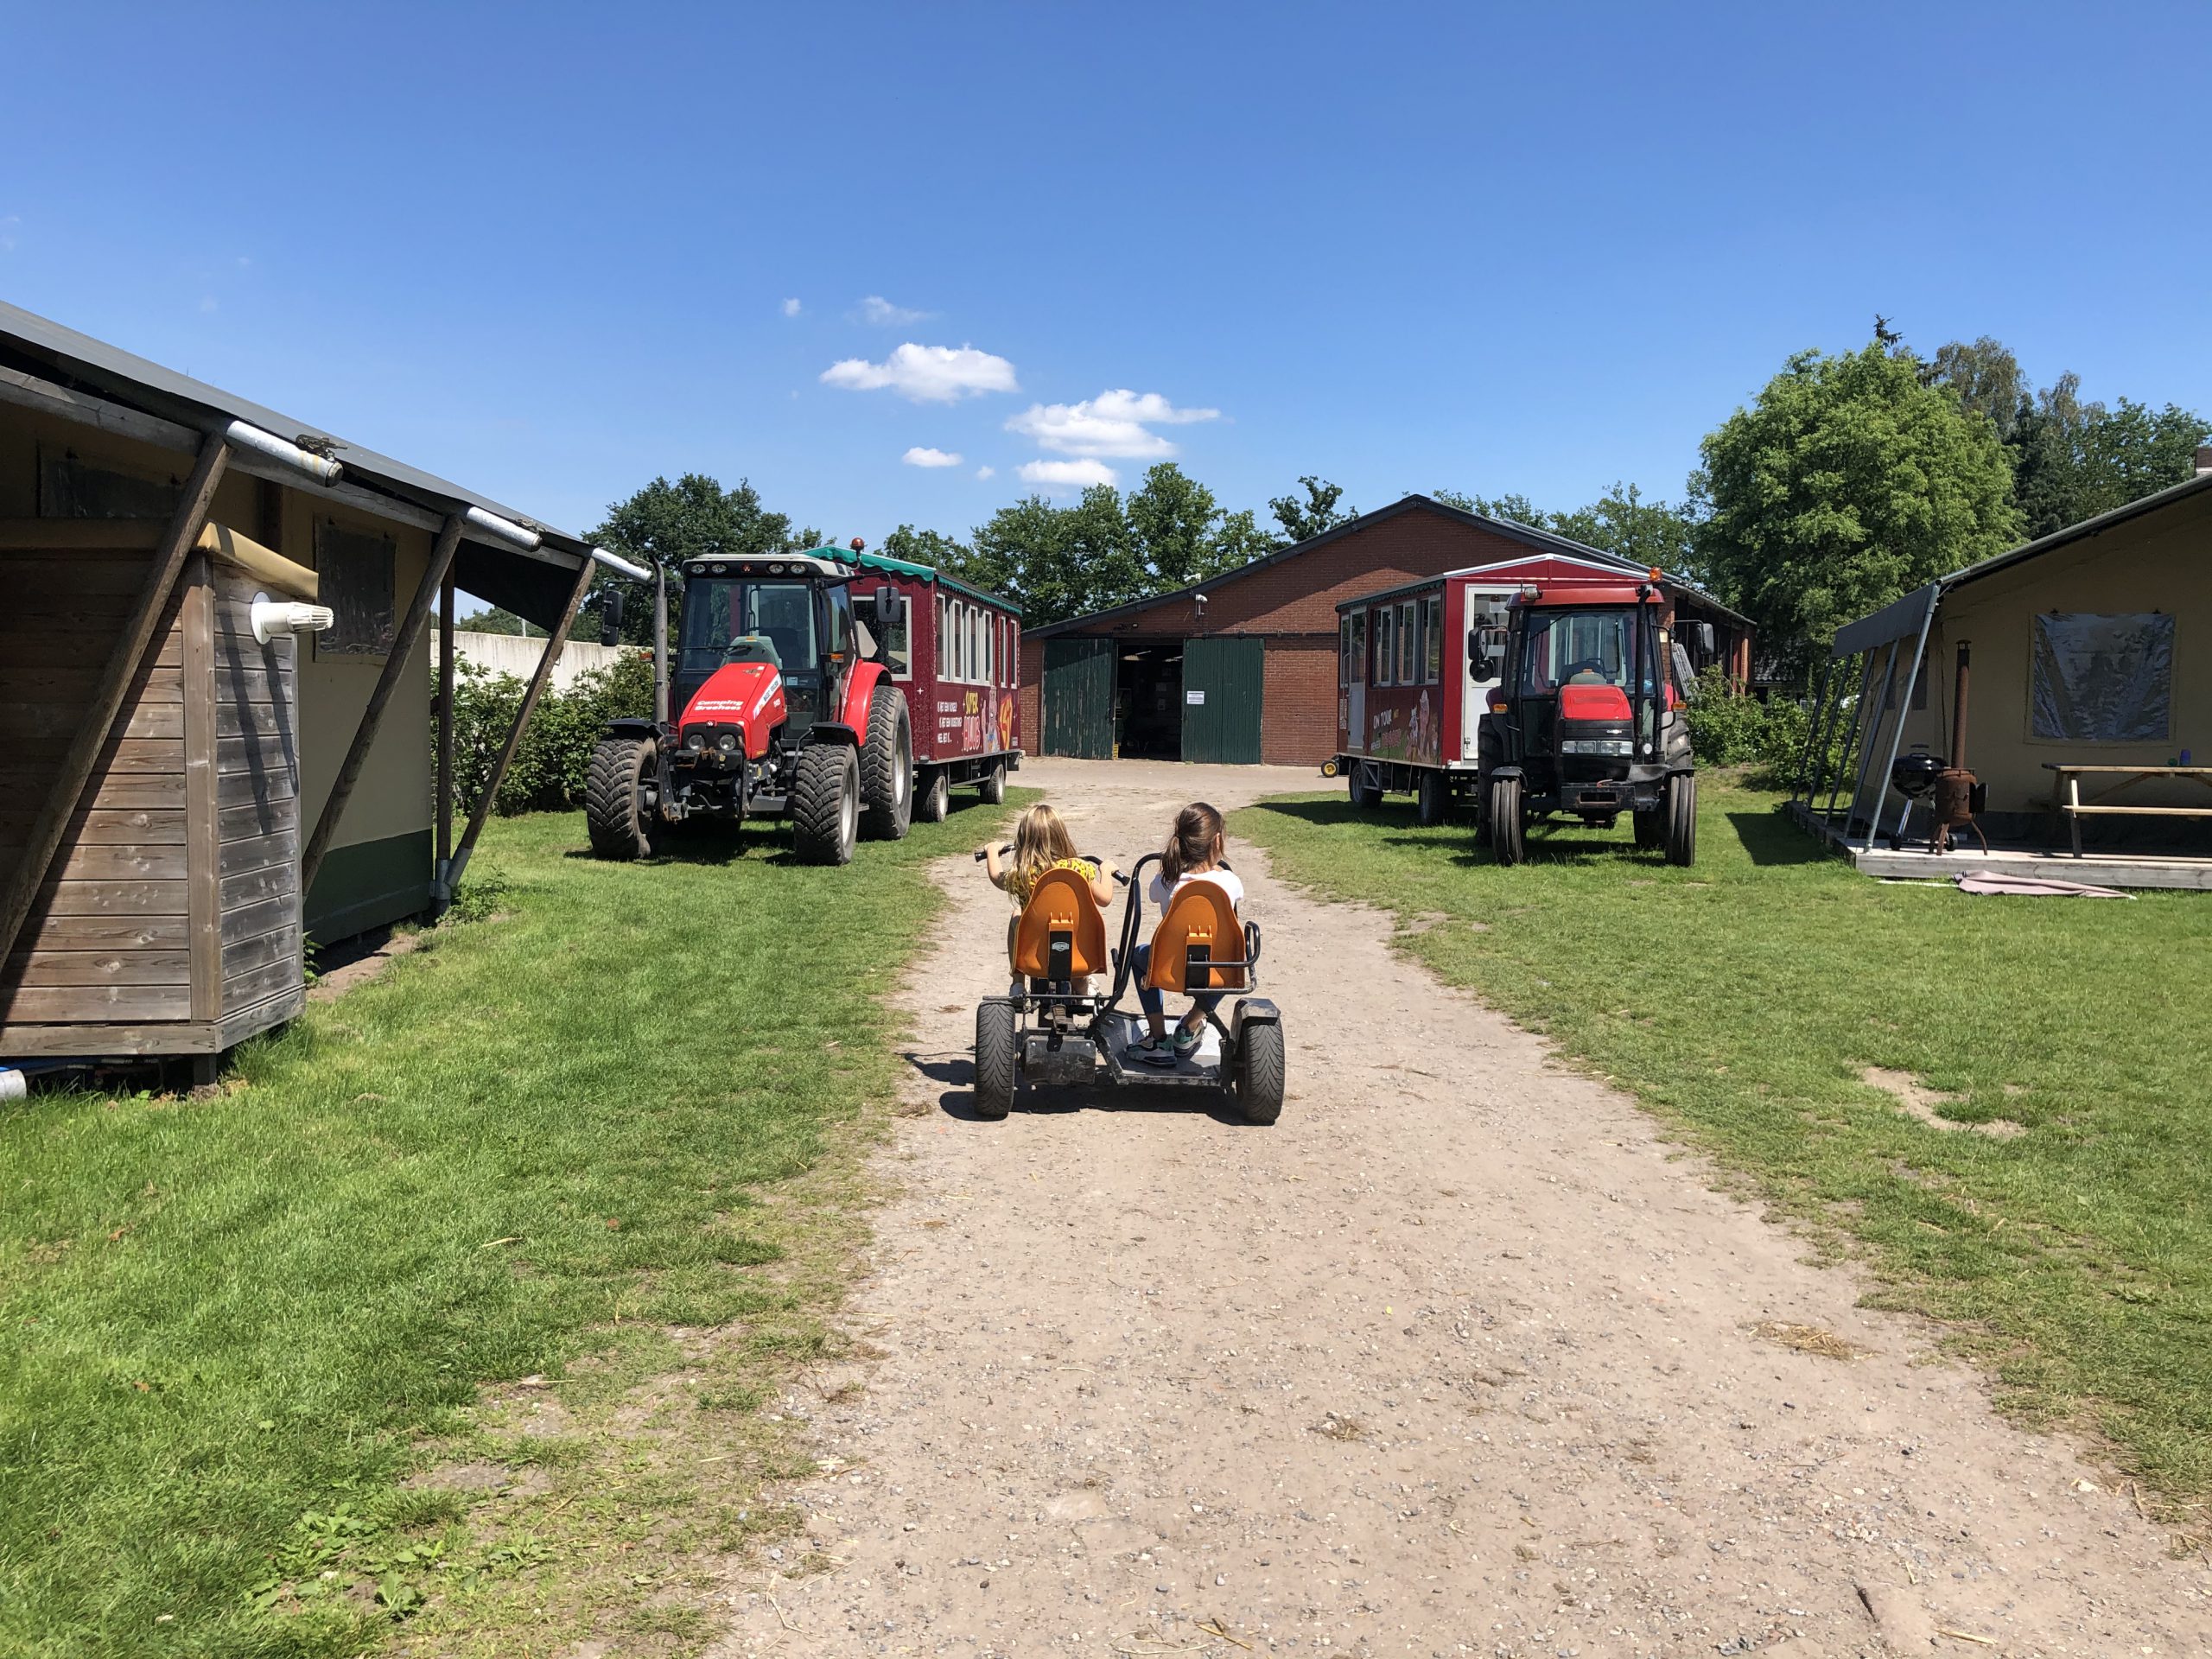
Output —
<point x="2066" y="784"/>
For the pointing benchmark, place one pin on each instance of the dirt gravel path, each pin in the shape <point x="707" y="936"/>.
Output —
<point x="1458" y="1357"/>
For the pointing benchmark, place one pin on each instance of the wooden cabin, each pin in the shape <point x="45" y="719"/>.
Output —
<point x="185" y="800"/>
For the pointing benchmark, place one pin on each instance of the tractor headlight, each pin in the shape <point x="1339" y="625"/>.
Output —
<point x="727" y="742"/>
<point x="1595" y="746"/>
<point x="695" y="742"/>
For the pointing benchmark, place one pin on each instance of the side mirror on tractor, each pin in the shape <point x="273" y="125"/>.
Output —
<point x="887" y="608"/>
<point x="1702" y="632"/>
<point x="610" y="617"/>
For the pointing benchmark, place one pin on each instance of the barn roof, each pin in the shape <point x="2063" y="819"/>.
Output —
<point x="1539" y="541"/>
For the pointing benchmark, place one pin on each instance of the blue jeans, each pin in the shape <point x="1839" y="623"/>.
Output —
<point x="1149" y="997"/>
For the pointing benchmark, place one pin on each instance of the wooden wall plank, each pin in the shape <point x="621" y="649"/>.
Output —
<point x="264" y="1016"/>
<point x="30" y="574"/>
<point x="83" y="1004"/>
<point x="54" y="722"/>
<point x="257" y="819"/>
<point x="256" y="886"/>
<point x="109" y="932"/>
<point x="111" y="898"/>
<point x="265" y="915"/>
<point x="197" y="624"/>
<point x="279" y="975"/>
<point x="260" y="854"/>
<point x="118" y="791"/>
<point x="103" y="827"/>
<point x="39" y="648"/>
<point x="242" y="957"/>
<point x="138" y="966"/>
<point x="116" y="1036"/>
<point x="108" y="863"/>
<point x="158" y="754"/>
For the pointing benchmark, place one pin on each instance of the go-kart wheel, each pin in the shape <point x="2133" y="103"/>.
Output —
<point x="1432" y="800"/>
<point x="826" y="803"/>
<point x="994" y="1054"/>
<point x="1508" y="833"/>
<point x="933" y="797"/>
<point x="887" y="766"/>
<point x="1260" y="1073"/>
<point x="993" y="786"/>
<point x="617" y="817"/>
<point x="1681" y="819"/>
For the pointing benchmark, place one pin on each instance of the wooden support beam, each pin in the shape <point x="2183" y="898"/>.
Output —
<point x="499" y="775"/>
<point x="440" y="893"/>
<point x="395" y="666"/>
<point x="122" y="660"/>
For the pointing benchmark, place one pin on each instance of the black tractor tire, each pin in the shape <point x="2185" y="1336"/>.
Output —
<point x="1508" y="841"/>
<point x="615" y="815"/>
<point x="995" y="1040"/>
<point x="1260" y="1073"/>
<point x="1650" y="828"/>
<point x="1681" y="819"/>
<point x="826" y="803"/>
<point x="993" y="786"/>
<point x="887" y="766"/>
<point x="1432" y="799"/>
<point x="933" y="796"/>
<point x="1365" y="797"/>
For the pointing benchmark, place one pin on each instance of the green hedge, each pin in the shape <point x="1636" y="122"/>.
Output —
<point x="1730" y="729"/>
<point x="548" y="773"/>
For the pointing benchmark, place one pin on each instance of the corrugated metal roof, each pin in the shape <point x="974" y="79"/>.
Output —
<point x="94" y="365"/>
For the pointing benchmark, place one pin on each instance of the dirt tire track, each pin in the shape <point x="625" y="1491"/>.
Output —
<point x="1459" y="1357"/>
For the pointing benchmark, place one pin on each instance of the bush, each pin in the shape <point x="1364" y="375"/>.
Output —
<point x="1730" y="729"/>
<point x="548" y="767"/>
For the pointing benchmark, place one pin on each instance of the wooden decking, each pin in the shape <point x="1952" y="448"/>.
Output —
<point x="2101" y="870"/>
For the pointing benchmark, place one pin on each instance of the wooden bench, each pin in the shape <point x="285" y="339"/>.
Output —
<point x="2067" y="785"/>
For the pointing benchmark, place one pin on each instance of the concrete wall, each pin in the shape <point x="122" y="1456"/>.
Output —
<point x="2158" y="562"/>
<point x="511" y="653"/>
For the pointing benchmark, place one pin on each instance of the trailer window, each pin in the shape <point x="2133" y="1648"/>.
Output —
<point x="1386" y="644"/>
<point x="1432" y="632"/>
<point x="899" y="640"/>
<point x="1408" y="644"/>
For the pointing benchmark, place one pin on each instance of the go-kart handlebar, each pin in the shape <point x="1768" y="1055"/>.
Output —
<point x="1004" y="847"/>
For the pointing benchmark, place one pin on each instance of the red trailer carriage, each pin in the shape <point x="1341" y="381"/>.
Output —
<point x="954" y="651"/>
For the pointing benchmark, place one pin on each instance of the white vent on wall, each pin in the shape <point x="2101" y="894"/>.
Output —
<point x="276" y="616"/>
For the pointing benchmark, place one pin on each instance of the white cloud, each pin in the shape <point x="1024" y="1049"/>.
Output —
<point x="922" y="456"/>
<point x="1068" y="474"/>
<point x="1116" y="423"/>
<point x="987" y="472"/>
<point x="925" y="374"/>
<point x="880" y="311"/>
<point x="790" y="307"/>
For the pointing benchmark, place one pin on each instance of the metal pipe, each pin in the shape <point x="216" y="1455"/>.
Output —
<point x="244" y="435"/>
<point x="660" y="645"/>
<point x="1959" y="713"/>
<point x="506" y="529"/>
<point x="621" y="566"/>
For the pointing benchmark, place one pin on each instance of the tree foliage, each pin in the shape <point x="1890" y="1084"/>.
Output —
<point x="2073" y="461"/>
<point x="1620" y="522"/>
<point x="1301" y="521"/>
<point x="695" y="518"/>
<point x="1850" y="482"/>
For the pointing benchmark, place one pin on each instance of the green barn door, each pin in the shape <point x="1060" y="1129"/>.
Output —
<point x="1221" y="700"/>
<point x="1078" y="696"/>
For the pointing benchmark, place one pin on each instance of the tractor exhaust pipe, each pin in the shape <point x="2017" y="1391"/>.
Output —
<point x="660" y="645"/>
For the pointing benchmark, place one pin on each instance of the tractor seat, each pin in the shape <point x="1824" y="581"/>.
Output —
<point x="753" y="648"/>
<point x="1061" y="935"/>
<point x="1199" y="945"/>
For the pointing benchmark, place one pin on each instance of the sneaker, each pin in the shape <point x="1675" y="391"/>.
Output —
<point x="1153" y="1050"/>
<point x="1187" y="1041"/>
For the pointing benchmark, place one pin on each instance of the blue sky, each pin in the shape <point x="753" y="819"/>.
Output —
<point x="548" y="250"/>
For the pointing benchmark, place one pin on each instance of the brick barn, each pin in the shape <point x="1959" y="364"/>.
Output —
<point x="1243" y="667"/>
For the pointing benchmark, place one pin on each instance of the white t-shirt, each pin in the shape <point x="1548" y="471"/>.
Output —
<point x="1159" y="892"/>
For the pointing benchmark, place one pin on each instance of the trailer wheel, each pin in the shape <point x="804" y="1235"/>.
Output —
<point x="1260" y="1073"/>
<point x="621" y="826"/>
<point x="1365" y="795"/>
<point x="887" y="766"/>
<point x="1650" y="828"/>
<point x="1681" y="819"/>
<point x="933" y="799"/>
<point x="826" y="803"/>
<point x="993" y="786"/>
<point x="1432" y="799"/>
<point x="994" y="1056"/>
<point x="1508" y="837"/>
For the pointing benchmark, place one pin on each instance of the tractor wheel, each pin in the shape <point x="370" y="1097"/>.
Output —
<point x="1650" y="828"/>
<point x="887" y="766"/>
<point x="993" y="788"/>
<point x="1681" y="819"/>
<point x="994" y="1057"/>
<point x="1432" y="799"/>
<point x="620" y="824"/>
<point x="933" y="800"/>
<point x="1260" y="1073"/>
<point x="1366" y="796"/>
<point x="826" y="803"/>
<point x="1508" y="834"/>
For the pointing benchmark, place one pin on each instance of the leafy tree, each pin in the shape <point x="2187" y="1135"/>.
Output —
<point x="2073" y="459"/>
<point x="1619" y="522"/>
<point x="1515" y="509"/>
<point x="665" y="523"/>
<point x="930" y="547"/>
<point x="492" y="620"/>
<point x="1849" y="482"/>
<point x="1059" y="562"/>
<point x="1181" y="534"/>
<point x="1987" y="378"/>
<point x="1303" y="520"/>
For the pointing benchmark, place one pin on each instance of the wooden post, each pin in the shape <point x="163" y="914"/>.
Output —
<point x="364" y="736"/>
<point x="443" y="895"/>
<point x="202" y="834"/>
<point x="499" y="774"/>
<point x="122" y="660"/>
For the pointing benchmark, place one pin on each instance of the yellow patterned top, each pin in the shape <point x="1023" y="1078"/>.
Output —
<point x="1021" y="883"/>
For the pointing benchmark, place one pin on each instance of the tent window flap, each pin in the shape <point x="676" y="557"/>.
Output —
<point x="2102" y="679"/>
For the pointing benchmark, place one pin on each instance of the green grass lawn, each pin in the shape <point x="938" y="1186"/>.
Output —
<point x="594" y="1140"/>
<point x="1742" y="999"/>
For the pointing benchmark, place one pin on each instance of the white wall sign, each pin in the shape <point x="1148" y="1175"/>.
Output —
<point x="1195" y="699"/>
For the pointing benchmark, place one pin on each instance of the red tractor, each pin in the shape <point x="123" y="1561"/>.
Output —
<point x="1587" y="717"/>
<point x="787" y="711"/>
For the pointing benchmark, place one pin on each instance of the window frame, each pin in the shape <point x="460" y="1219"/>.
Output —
<point x="1408" y="642"/>
<point x="1383" y="645"/>
<point x="1431" y="633"/>
<point x="905" y="626"/>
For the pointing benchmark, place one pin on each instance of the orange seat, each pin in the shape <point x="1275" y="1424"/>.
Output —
<point x="1062" y="903"/>
<point x="1200" y="914"/>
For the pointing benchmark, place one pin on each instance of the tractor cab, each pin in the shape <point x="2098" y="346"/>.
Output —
<point x="1585" y="719"/>
<point x="790" y="616"/>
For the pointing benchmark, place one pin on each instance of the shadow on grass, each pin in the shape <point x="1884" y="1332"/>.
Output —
<point x="1770" y="837"/>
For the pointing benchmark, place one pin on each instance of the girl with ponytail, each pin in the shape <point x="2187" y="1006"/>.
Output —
<point x="1196" y="847"/>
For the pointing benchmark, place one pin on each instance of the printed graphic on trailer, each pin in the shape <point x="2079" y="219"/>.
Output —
<point x="1404" y="734"/>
